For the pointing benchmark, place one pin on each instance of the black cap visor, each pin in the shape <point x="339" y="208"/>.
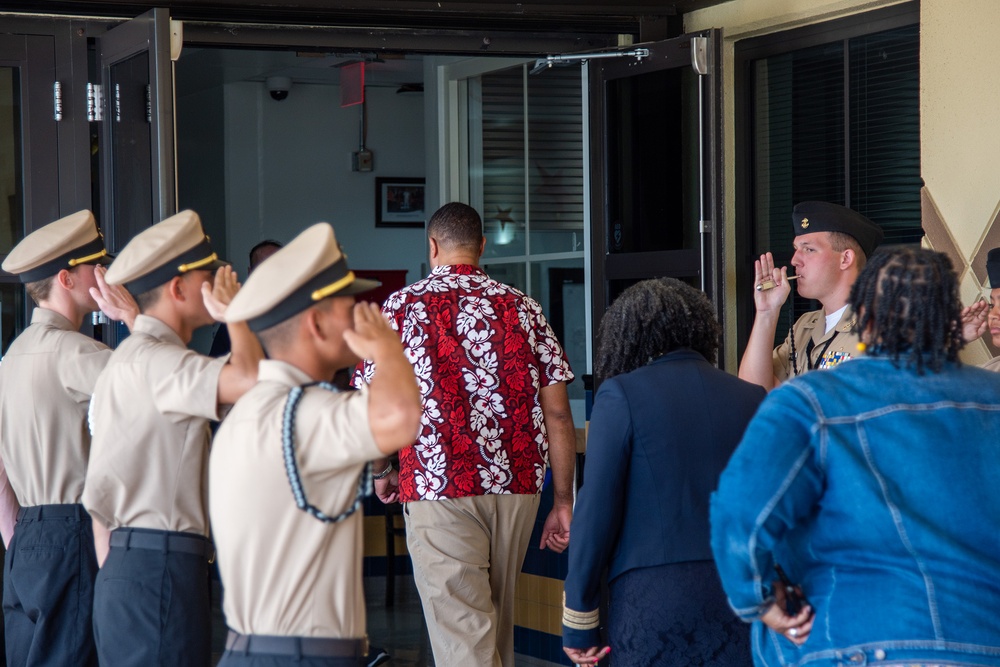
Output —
<point x="335" y="280"/>
<point x="199" y="258"/>
<point x="89" y="253"/>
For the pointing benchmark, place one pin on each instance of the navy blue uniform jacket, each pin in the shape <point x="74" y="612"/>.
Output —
<point x="659" y="439"/>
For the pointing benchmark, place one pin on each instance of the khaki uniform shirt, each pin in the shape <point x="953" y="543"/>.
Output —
<point x="814" y="348"/>
<point x="46" y="379"/>
<point x="285" y="572"/>
<point x="149" y="419"/>
<point x="993" y="365"/>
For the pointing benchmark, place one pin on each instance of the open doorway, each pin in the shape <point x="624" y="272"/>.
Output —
<point x="267" y="144"/>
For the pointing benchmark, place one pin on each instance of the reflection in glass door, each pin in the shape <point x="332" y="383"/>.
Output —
<point x="11" y="201"/>
<point x="131" y="179"/>
<point x="29" y="158"/>
<point x="10" y="159"/>
<point x="655" y="174"/>
<point x="652" y="177"/>
<point x="526" y="177"/>
<point x="137" y="132"/>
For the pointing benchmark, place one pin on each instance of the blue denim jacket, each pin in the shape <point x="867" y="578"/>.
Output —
<point x="878" y="490"/>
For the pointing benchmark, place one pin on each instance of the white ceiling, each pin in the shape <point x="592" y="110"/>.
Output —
<point x="202" y="68"/>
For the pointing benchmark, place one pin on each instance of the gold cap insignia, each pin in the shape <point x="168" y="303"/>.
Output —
<point x="805" y="223"/>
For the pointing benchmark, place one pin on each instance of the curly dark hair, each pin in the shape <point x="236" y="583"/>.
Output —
<point x="907" y="301"/>
<point x="651" y="318"/>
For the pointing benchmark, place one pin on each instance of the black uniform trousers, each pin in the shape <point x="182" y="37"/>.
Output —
<point x="151" y="602"/>
<point x="284" y="651"/>
<point x="237" y="659"/>
<point x="48" y="592"/>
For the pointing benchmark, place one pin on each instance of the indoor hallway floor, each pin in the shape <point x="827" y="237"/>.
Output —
<point x="399" y="629"/>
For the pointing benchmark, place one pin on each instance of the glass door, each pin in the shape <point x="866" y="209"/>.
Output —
<point x="137" y="144"/>
<point x="29" y="190"/>
<point x="137" y="124"/>
<point x="655" y="174"/>
<point x="521" y="162"/>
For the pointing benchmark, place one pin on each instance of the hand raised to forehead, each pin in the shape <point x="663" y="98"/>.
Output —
<point x="219" y="294"/>
<point x="974" y="322"/>
<point x="113" y="300"/>
<point x="372" y="335"/>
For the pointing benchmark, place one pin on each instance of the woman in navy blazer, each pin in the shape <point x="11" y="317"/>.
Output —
<point x="664" y="424"/>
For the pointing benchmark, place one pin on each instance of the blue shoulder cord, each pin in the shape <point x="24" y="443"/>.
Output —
<point x="292" y="466"/>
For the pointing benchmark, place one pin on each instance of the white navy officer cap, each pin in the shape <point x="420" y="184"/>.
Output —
<point x="167" y="249"/>
<point x="63" y="244"/>
<point x="309" y="269"/>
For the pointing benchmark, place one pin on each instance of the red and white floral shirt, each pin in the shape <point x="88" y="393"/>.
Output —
<point x="481" y="351"/>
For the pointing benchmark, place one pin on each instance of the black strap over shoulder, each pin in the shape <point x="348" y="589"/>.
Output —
<point x="292" y="467"/>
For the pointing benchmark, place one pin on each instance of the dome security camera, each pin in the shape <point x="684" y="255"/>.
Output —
<point x="278" y="86"/>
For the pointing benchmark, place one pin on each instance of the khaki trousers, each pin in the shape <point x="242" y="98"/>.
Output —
<point x="467" y="553"/>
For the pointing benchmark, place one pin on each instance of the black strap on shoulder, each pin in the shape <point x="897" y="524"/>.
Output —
<point x="811" y="346"/>
<point x="292" y="467"/>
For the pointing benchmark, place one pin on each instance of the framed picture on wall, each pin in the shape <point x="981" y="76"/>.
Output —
<point x="399" y="202"/>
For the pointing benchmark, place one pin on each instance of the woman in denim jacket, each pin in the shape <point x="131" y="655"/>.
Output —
<point x="877" y="486"/>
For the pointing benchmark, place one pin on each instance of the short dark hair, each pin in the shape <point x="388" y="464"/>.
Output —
<point x="257" y="253"/>
<point x="456" y="225"/>
<point x="148" y="299"/>
<point x="907" y="298"/>
<point x="652" y="318"/>
<point x="276" y="338"/>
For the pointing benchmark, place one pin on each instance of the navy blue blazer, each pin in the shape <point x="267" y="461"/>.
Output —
<point x="659" y="439"/>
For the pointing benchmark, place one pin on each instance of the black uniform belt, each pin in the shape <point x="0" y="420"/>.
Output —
<point x="162" y="540"/>
<point x="39" y="512"/>
<point x="306" y="647"/>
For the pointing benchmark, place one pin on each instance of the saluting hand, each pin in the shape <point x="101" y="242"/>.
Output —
<point x="372" y="335"/>
<point x="219" y="293"/>
<point x="772" y="299"/>
<point x="113" y="300"/>
<point x="974" y="321"/>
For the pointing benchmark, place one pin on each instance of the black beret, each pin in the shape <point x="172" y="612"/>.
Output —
<point x="993" y="268"/>
<point x="821" y="216"/>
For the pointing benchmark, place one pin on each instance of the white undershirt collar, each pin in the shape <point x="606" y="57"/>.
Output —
<point x="833" y="318"/>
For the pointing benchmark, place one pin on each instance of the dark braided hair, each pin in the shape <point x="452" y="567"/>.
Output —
<point x="907" y="300"/>
<point x="651" y="318"/>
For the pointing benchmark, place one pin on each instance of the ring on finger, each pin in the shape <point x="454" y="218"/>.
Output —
<point x="793" y="632"/>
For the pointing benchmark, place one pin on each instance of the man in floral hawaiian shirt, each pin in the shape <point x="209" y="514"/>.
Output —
<point x="496" y="413"/>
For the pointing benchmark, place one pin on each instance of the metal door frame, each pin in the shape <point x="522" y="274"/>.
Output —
<point x="666" y="54"/>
